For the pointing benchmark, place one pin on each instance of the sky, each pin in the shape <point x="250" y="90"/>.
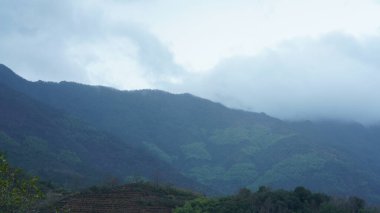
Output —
<point x="292" y="59"/>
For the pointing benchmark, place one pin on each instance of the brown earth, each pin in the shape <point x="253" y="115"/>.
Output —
<point x="132" y="198"/>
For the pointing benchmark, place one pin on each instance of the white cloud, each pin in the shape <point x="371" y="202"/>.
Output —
<point x="333" y="77"/>
<point x="271" y="56"/>
<point x="79" y="41"/>
<point x="202" y="33"/>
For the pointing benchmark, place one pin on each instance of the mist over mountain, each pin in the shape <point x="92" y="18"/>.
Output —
<point x="329" y="78"/>
<point x="258" y="56"/>
<point x="196" y="142"/>
<point x="190" y="106"/>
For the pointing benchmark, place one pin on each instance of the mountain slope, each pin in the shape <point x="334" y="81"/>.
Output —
<point x="220" y="147"/>
<point x="65" y="150"/>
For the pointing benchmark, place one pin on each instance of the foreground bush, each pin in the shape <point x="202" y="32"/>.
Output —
<point x="18" y="193"/>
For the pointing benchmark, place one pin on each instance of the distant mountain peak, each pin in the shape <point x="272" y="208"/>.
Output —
<point x="5" y="69"/>
<point x="8" y="77"/>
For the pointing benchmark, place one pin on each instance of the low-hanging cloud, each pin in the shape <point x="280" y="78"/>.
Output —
<point x="335" y="77"/>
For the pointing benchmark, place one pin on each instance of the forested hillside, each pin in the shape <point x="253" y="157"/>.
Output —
<point x="22" y="193"/>
<point x="71" y="153"/>
<point x="222" y="148"/>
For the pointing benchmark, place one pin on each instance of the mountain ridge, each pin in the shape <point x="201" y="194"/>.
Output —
<point x="224" y="148"/>
<point x="67" y="151"/>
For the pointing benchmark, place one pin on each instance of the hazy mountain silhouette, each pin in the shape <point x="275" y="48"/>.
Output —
<point x="219" y="147"/>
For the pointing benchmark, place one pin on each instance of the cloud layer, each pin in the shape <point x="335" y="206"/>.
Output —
<point x="255" y="55"/>
<point x="333" y="77"/>
<point x="76" y="41"/>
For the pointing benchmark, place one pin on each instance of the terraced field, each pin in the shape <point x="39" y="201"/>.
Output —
<point x="131" y="198"/>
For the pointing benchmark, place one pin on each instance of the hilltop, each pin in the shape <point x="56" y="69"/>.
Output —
<point x="181" y="139"/>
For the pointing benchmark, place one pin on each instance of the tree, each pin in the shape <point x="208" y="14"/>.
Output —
<point x="356" y="203"/>
<point x="302" y="193"/>
<point x="18" y="193"/>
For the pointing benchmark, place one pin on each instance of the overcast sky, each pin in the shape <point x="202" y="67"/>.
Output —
<point x="292" y="59"/>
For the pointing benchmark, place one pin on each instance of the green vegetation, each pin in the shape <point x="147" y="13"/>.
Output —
<point x="167" y="196"/>
<point x="78" y="135"/>
<point x="18" y="192"/>
<point x="265" y="200"/>
<point x="196" y="151"/>
<point x="70" y="152"/>
<point x="292" y="168"/>
<point x="4" y="138"/>
<point x="148" y="197"/>
<point x="258" y="137"/>
<point x="156" y="151"/>
<point x="135" y="197"/>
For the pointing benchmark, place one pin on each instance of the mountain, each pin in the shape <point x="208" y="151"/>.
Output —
<point x="67" y="151"/>
<point x="222" y="148"/>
